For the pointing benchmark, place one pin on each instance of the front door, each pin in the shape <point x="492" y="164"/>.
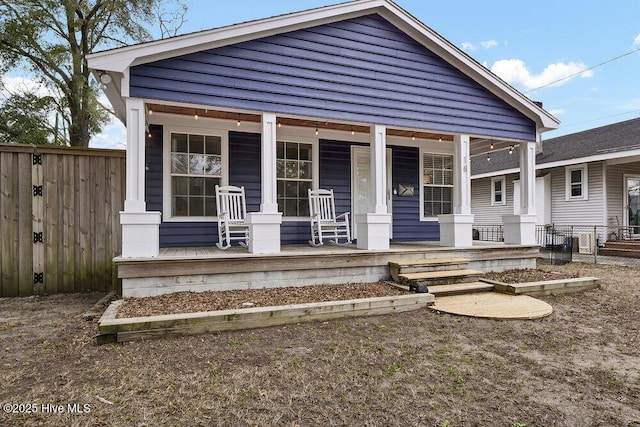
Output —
<point x="361" y="198"/>
<point x="632" y="203"/>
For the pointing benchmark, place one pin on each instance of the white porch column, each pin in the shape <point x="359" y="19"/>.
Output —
<point x="264" y="226"/>
<point x="373" y="227"/>
<point x="520" y="229"/>
<point x="140" y="229"/>
<point x="456" y="229"/>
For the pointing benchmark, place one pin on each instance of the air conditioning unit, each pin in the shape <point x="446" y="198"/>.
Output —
<point x="586" y="243"/>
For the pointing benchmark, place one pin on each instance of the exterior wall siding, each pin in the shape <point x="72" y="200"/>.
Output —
<point x="244" y="170"/>
<point x="485" y="214"/>
<point x="578" y="212"/>
<point x="615" y="190"/>
<point x="361" y="70"/>
<point x="406" y="210"/>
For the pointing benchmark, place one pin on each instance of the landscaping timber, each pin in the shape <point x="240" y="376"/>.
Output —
<point x="137" y="328"/>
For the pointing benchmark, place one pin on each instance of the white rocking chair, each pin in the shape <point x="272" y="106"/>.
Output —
<point x="232" y="210"/>
<point x="324" y="222"/>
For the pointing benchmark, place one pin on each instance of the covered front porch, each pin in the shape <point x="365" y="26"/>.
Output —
<point x="198" y="269"/>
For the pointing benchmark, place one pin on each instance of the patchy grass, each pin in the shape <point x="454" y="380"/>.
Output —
<point x="578" y="366"/>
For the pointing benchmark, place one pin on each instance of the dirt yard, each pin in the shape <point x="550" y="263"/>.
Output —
<point x="578" y="367"/>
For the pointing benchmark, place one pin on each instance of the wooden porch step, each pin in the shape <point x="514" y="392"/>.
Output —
<point x="625" y="253"/>
<point x="420" y="282"/>
<point x="425" y="265"/>
<point x="460" y="288"/>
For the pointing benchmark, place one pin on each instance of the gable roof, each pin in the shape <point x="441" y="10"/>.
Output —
<point x="603" y="143"/>
<point x="117" y="62"/>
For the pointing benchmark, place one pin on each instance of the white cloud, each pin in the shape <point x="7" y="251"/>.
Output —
<point x="636" y="41"/>
<point x="19" y="84"/>
<point x="557" y="111"/>
<point x="113" y="135"/>
<point x="489" y="44"/>
<point x="485" y="44"/>
<point x="516" y="73"/>
<point x="468" y="46"/>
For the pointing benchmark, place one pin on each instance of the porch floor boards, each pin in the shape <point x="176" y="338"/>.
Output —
<point x="304" y="249"/>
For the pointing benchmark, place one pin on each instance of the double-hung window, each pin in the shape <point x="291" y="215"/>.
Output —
<point x="498" y="194"/>
<point x="576" y="182"/>
<point x="196" y="168"/>
<point x="294" y="164"/>
<point x="437" y="185"/>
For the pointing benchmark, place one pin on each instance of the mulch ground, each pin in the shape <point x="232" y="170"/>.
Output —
<point x="191" y="302"/>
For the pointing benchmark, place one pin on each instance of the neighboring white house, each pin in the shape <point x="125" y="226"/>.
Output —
<point x="583" y="179"/>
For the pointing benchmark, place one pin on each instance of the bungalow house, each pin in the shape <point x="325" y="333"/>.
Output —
<point x="588" y="178"/>
<point x="358" y="97"/>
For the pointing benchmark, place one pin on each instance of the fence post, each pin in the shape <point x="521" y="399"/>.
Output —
<point x="595" y="244"/>
<point x="37" y="180"/>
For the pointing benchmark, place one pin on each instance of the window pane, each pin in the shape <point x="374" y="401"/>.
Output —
<point x="196" y="206"/>
<point x="196" y="186"/>
<point x="305" y="170"/>
<point x="210" y="186"/>
<point x="291" y="207"/>
<point x="498" y="197"/>
<point x="446" y="208"/>
<point x="303" y="207"/>
<point x="180" y="206"/>
<point x="213" y="145"/>
<point x="497" y="185"/>
<point x="447" y="177"/>
<point x="280" y="204"/>
<point x="305" y="152"/>
<point x="447" y="194"/>
<point x="179" y="163"/>
<point x="291" y="189"/>
<point x="196" y="164"/>
<point x="303" y="191"/>
<point x="576" y="190"/>
<point x="292" y="169"/>
<point x="292" y="151"/>
<point x="281" y="189"/>
<point x="280" y="168"/>
<point x="196" y="144"/>
<point x="179" y="143"/>
<point x="576" y="176"/>
<point x="213" y="165"/>
<point x="280" y="150"/>
<point x="180" y="185"/>
<point x="210" y="206"/>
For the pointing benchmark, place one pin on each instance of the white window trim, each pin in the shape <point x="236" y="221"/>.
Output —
<point x="315" y="166"/>
<point x="422" y="152"/>
<point x="502" y="179"/>
<point x="166" y="168"/>
<point x="585" y="182"/>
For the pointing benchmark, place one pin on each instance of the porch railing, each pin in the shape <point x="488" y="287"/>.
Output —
<point x="488" y="233"/>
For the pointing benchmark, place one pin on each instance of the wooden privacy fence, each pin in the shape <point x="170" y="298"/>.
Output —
<point x="59" y="219"/>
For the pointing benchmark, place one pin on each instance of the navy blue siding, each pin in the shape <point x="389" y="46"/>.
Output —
<point x="244" y="170"/>
<point x="362" y="70"/>
<point x="406" y="210"/>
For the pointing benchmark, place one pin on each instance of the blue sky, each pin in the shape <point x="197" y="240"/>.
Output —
<point x="527" y="44"/>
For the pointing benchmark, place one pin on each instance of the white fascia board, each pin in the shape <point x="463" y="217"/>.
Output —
<point x="628" y="154"/>
<point x="495" y="173"/>
<point x="589" y="159"/>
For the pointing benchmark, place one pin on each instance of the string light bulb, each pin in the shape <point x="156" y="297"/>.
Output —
<point x="150" y="111"/>
<point x="195" y="116"/>
<point x="511" y="149"/>
<point x="317" y="132"/>
<point x="413" y="136"/>
<point x="238" y="123"/>
<point x="279" y="124"/>
<point x="491" y="146"/>
<point x="353" y="132"/>
<point x="488" y="157"/>
<point x="440" y="138"/>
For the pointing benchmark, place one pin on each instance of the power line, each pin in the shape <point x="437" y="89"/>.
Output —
<point x="586" y="69"/>
<point x="601" y="118"/>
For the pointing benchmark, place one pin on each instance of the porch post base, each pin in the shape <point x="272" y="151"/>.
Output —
<point x="519" y="229"/>
<point x="373" y="231"/>
<point x="456" y="230"/>
<point x="264" y="232"/>
<point x="140" y="234"/>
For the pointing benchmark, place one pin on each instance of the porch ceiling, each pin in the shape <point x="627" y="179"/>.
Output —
<point x="478" y="145"/>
